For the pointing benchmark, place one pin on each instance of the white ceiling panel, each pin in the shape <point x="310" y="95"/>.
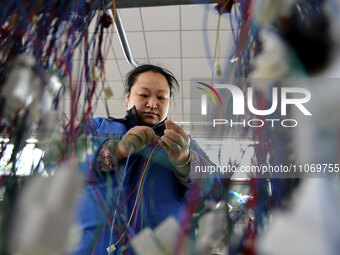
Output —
<point x="163" y="44"/>
<point x="196" y="68"/>
<point x="186" y="106"/>
<point x="116" y="108"/>
<point x="175" y="117"/>
<point x="186" y="89"/>
<point x="161" y="18"/>
<point x="125" y="67"/>
<point x="112" y="70"/>
<point x="115" y="50"/>
<point x="178" y="92"/>
<point x="131" y="19"/>
<point x="137" y="44"/>
<point x="115" y="104"/>
<point x="170" y="36"/>
<point x="172" y="64"/>
<point x="205" y="43"/>
<point x="199" y="17"/>
<point x="176" y="106"/>
<point x="117" y="88"/>
<point x="142" y="61"/>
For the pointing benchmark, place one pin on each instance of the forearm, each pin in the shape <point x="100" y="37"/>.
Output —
<point x="183" y="170"/>
<point x="109" y="156"/>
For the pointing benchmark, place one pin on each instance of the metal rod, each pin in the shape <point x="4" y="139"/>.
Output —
<point x="124" y="41"/>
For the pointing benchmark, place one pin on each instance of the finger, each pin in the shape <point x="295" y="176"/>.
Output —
<point x="151" y="135"/>
<point x="173" y="126"/>
<point x="140" y="134"/>
<point x="175" y="137"/>
<point x="123" y="148"/>
<point x="135" y="139"/>
<point x="164" y="145"/>
<point x="173" y="146"/>
<point x="125" y="145"/>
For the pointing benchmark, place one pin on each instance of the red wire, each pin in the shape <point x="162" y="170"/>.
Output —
<point x="134" y="228"/>
<point x="87" y="126"/>
<point x="109" y="221"/>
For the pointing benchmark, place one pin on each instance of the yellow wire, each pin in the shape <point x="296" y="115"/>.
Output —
<point x="134" y="206"/>
<point x="218" y="37"/>
<point x="218" y="54"/>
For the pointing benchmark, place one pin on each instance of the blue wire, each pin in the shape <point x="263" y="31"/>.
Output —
<point x="205" y="37"/>
<point x="235" y="37"/>
<point x="120" y="189"/>
<point x="125" y="173"/>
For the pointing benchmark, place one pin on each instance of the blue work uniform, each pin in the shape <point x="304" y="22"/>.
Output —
<point x="145" y="186"/>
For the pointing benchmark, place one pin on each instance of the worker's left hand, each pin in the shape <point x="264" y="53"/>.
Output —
<point x="176" y="143"/>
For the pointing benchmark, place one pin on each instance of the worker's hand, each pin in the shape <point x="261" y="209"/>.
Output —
<point x="135" y="140"/>
<point x="176" y="143"/>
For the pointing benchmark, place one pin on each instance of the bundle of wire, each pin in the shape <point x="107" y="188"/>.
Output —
<point x="51" y="31"/>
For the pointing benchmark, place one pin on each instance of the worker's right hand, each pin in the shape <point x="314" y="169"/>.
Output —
<point x="135" y="140"/>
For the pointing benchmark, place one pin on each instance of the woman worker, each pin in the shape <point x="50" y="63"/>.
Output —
<point x="139" y="172"/>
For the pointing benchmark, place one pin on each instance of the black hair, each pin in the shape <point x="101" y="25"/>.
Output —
<point x="132" y="76"/>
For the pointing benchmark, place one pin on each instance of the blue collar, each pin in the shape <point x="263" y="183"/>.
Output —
<point x="131" y="119"/>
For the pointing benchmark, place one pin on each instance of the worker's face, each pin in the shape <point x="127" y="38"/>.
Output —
<point x="151" y="96"/>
